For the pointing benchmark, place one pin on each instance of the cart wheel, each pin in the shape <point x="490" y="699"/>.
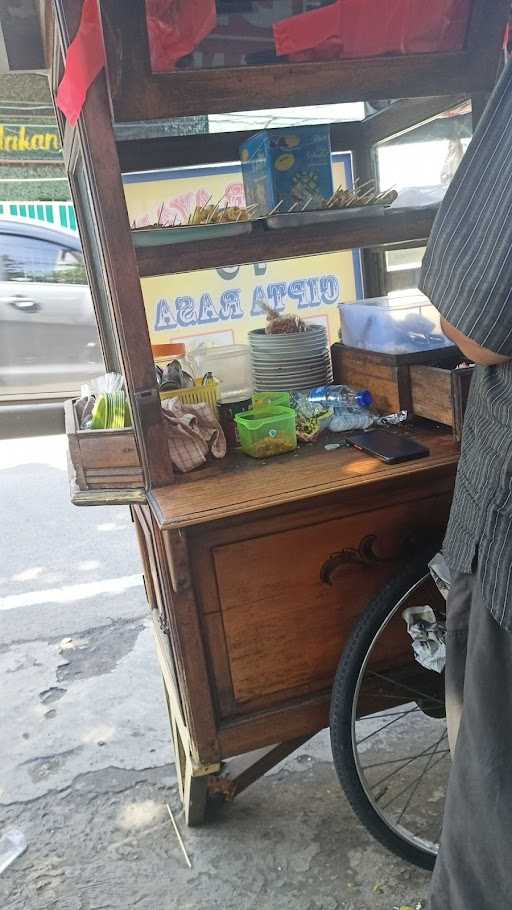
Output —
<point x="388" y="727"/>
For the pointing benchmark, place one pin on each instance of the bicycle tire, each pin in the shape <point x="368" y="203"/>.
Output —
<point x="342" y="700"/>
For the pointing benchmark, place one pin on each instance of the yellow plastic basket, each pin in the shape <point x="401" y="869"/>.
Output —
<point x="198" y="394"/>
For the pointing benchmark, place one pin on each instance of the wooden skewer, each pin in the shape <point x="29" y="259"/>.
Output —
<point x="304" y="207"/>
<point x="275" y="209"/>
<point x="178" y="835"/>
<point x="212" y="213"/>
<point x="160" y="214"/>
<point x="293" y="207"/>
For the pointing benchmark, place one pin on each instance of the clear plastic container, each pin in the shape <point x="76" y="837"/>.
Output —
<point x="231" y="367"/>
<point x="392" y="325"/>
<point x="267" y="431"/>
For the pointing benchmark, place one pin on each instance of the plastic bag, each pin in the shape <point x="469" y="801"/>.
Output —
<point x="89" y="392"/>
<point x="84" y="60"/>
<point x="370" y="28"/>
<point x="175" y="28"/>
<point x="360" y="419"/>
<point x="311" y="419"/>
<point x="428" y="637"/>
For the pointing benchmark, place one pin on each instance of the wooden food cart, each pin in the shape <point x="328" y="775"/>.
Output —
<point x="251" y="610"/>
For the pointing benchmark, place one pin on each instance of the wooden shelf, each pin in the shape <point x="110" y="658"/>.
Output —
<point x="396" y="226"/>
<point x="239" y="484"/>
<point x="137" y="94"/>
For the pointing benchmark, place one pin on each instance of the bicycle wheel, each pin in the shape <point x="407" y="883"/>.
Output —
<point x="388" y="727"/>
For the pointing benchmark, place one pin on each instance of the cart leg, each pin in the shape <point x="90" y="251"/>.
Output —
<point x="192" y="782"/>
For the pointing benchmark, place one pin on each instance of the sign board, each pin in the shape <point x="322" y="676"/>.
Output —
<point x="220" y="306"/>
<point x="22" y="143"/>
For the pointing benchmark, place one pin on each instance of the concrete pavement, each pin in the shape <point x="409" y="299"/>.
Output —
<point x="85" y="766"/>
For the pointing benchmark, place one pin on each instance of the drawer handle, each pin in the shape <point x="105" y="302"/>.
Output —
<point x="364" y="555"/>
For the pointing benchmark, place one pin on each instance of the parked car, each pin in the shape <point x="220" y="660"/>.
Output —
<point x="49" y="342"/>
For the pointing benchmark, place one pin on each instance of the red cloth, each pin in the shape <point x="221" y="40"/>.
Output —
<point x="370" y="28"/>
<point x="84" y="60"/>
<point x="175" y="28"/>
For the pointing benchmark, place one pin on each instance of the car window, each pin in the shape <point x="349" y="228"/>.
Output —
<point x="32" y="259"/>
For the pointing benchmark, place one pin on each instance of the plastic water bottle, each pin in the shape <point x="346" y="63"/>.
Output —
<point x="12" y="845"/>
<point x="340" y="397"/>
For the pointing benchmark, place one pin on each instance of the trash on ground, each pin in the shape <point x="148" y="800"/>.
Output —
<point x="428" y="637"/>
<point x="12" y="844"/>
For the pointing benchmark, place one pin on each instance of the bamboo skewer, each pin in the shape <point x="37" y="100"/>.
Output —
<point x="178" y="835"/>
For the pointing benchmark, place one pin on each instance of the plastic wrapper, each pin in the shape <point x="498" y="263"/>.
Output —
<point x="311" y="419"/>
<point x="84" y="60"/>
<point x="428" y="637"/>
<point x="108" y="383"/>
<point x="360" y="419"/>
<point x="176" y="28"/>
<point x="370" y="28"/>
<point x="440" y="572"/>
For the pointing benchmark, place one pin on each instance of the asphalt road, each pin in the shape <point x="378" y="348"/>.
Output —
<point x="85" y="763"/>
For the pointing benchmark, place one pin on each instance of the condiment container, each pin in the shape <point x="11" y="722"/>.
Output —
<point x="267" y="431"/>
<point x="231" y="367"/>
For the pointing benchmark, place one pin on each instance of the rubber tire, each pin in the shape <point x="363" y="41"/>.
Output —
<point x="341" y="710"/>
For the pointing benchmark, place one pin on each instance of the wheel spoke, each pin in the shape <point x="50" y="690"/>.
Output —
<point x="420" y="779"/>
<point x="406" y="688"/>
<point x="408" y="787"/>
<point x="385" y="726"/>
<point x="406" y="763"/>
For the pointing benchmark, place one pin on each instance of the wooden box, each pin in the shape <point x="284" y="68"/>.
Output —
<point x="426" y="383"/>
<point x="102" y="459"/>
<point x="385" y="375"/>
<point x="441" y="394"/>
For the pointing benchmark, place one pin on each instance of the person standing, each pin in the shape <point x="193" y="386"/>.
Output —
<point x="467" y="274"/>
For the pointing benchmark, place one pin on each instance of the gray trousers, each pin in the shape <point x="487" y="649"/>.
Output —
<point x="474" y="867"/>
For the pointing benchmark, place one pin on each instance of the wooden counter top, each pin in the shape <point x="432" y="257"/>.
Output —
<point x="240" y="485"/>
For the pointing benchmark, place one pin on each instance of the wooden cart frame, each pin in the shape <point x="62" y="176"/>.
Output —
<point x="213" y="548"/>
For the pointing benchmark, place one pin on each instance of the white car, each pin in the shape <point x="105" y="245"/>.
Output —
<point x="49" y="342"/>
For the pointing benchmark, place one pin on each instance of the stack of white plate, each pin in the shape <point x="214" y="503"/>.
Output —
<point x="290" y="362"/>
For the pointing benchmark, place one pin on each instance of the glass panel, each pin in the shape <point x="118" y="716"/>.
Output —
<point x="49" y="342"/>
<point x="97" y="272"/>
<point x="205" y="34"/>
<point x="421" y="163"/>
<point x="240" y="120"/>
<point x="402" y="270"/>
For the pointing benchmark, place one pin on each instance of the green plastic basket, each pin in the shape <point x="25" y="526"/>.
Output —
<point x="267" y="431"/>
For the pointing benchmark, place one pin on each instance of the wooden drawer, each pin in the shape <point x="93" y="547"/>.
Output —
<point x="102" y="459"/>
<point x="275" y="629"/>
<point x="441" y="394"/>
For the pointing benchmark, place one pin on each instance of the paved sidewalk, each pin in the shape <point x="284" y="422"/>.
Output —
<point x="84" y="748"/>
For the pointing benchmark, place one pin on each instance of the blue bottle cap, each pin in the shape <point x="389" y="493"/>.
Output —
<point x="364" y="398"/>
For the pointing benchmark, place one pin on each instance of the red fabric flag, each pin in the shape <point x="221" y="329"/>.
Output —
<point x="175" y="28"/>
<point x="370" y="28"/>
<point x="84" y="60"/>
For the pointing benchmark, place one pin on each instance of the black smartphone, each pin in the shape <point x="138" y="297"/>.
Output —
<point x="389" y="447"/>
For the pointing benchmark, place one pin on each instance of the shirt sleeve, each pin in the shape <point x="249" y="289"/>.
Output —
<point x="467" y="268"/>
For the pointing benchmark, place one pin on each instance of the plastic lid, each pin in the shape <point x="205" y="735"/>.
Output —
<point x="364" y="398"/>
<point x="235" y="396"/>
<point x="168" y="350"/>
